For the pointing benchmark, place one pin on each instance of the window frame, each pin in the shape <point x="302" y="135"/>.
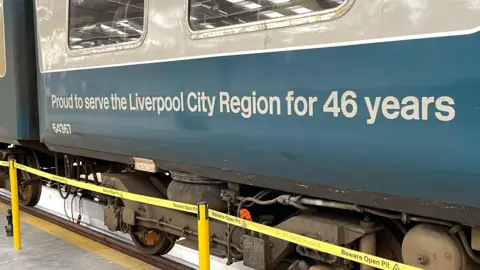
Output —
<point x="296" y="20"/>
<point x="108" y="48"/>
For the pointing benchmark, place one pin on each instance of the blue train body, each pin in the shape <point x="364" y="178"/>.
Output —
<point x="418" y="154"/>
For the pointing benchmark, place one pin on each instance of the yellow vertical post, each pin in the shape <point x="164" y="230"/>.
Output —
<point x="203" y="236"/>
<point x="15" y="207"/>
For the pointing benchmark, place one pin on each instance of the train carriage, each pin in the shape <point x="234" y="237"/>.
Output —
<point x="332" y="114"/>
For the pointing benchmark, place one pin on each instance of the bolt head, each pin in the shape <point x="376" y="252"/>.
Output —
<point x="422" y="259"/>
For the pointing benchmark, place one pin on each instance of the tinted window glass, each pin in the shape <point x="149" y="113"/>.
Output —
<point x="95" y="23"/>
<point x="208" y="14"/>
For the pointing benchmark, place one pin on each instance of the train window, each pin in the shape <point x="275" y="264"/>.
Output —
<point x="99" y="23"/>
<point x="213" y="14"/>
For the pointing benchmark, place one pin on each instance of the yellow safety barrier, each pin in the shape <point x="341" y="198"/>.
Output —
<point x="349" y="254"/>
<point x="203" y="237"/>
<point x="15" y="207"/>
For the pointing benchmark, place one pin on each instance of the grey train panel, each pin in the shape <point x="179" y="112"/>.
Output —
<point x="168" y="38"/>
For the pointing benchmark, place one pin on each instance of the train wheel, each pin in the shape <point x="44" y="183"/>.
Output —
<point x="151" y="241"/>
<point x="29" y="195"/>
<point x="172" y="244"/>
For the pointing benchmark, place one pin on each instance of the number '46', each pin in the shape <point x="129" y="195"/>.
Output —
<point x="348" y="105"/>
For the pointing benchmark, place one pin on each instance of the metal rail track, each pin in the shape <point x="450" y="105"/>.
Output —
<point x="156" y="261"/>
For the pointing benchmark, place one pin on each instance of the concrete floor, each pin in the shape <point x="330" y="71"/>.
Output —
<point x="47" y="246"/>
